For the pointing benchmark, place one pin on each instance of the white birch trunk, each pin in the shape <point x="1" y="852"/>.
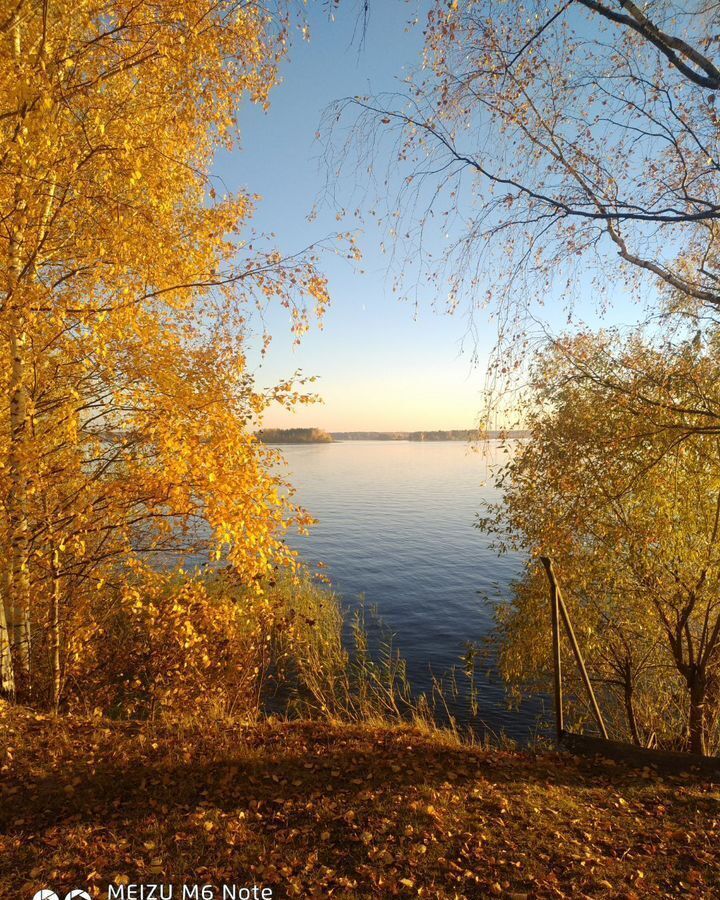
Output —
<point x="17" y="578"/>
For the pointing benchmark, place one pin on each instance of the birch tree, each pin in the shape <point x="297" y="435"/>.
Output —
<point x="625" y="498"/>
<point x="127" y="399"/>
<point x="541" y="144"/>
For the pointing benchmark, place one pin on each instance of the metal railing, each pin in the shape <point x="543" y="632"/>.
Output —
<point x="588" y="744"/>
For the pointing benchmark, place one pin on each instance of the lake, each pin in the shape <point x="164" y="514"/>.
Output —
<point x="396" y="525"/>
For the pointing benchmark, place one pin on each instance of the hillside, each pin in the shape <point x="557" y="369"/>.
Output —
<point x="312" y="810"/>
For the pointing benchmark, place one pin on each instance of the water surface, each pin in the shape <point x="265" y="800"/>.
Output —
<point x="396" y="525"/>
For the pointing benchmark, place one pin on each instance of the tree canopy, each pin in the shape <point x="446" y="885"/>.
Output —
<point x="128" y="404"/>
<point x="539" y="144"/>
<point x="627" y="504"/>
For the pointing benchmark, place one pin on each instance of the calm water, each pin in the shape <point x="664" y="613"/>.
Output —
<point x="396" y="525"/>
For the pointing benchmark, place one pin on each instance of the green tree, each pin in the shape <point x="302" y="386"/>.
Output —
<point x="619" y="484"/>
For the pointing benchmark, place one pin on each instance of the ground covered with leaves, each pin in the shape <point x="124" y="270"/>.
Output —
<point x="314" y="810"/>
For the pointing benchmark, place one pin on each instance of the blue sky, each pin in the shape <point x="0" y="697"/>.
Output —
<point x="383" y="364"/>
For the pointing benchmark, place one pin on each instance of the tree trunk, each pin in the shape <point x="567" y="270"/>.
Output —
<point x="19" y="538"/>
<point x="55" y="635"/>
<point x="630" y="707"/>
<point x="7" y="681"/>
<point x="17" y="576"/>
<point x="697" y="724"/>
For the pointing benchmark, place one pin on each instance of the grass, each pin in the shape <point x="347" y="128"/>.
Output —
<point x="311" y="809"/>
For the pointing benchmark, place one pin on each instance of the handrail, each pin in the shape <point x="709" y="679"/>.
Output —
<point x="558" y="606"/>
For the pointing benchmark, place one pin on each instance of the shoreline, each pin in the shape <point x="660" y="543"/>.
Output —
<point x="415" y="437"/>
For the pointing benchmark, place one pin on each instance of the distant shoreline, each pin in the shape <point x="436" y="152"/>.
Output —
<point x="318" y="436"/>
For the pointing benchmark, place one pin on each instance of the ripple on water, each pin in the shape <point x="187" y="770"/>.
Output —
<point x="396" y="526"/>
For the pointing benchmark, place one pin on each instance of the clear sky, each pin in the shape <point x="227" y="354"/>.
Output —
<point x="382" y="364"/>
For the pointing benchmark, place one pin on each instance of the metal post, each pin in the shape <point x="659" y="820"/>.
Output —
<point x="559" y="603"/>
<point x="581" y="665"/>
<point x="554" y="607"/>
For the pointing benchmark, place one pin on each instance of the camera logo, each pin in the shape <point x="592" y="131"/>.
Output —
<point x="74" y="894"/>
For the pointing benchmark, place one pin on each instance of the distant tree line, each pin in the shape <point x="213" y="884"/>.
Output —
<point x="452" y="435"/>
<point x="370" y="435"/>
<point x="294" y="436"/>
<point x="318" y="436"/>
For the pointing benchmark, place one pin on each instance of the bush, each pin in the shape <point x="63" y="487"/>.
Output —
<point x="174" y="642"/>
<point x="212" y="645"/>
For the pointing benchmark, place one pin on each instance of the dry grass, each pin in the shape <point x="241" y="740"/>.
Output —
<point x="315" y="810"/>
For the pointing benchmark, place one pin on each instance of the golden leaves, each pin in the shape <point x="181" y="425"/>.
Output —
<point x="618" y="483"/>
<point x="137" y="401"/>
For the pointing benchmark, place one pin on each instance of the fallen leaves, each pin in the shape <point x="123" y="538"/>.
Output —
<point x="411" y="815"/>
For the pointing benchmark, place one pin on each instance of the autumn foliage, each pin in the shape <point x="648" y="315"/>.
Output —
<point x="127" y="402"/>
<point x="618" y="484"/>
